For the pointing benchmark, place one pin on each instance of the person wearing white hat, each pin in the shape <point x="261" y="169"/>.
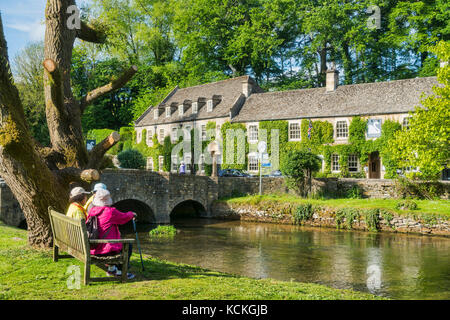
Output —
<point x="109" y="219"/>
<point x="99" y="186"/>
<point x="78" y="198"/>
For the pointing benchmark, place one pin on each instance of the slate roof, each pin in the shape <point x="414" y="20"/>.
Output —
<point x="399" y="96"/>
<point x="227" y="93"/>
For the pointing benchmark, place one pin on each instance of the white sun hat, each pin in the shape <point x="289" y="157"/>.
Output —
<point x="102" y="198"/>
<point x="78" y="191"/>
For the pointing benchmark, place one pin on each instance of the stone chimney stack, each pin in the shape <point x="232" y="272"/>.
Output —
<point x="332" y="79"/>
<point x="247" y="87"/>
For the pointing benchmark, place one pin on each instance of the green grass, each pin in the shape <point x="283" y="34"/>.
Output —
<point x="432" y="207"/>
<point x="26" y="273"/>
<point x="163" y="232"/>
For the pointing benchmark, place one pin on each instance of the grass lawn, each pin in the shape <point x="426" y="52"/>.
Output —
<point x="26" y="273"/>
<point x="433" y="207"/>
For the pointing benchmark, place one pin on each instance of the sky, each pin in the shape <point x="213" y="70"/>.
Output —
<point x="23" y="22"/>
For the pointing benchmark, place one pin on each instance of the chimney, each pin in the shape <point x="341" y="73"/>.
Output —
<point x="247" y="87"/>
<point x="332" y="79"/>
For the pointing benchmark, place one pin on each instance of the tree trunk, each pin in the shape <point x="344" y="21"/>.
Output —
<point x="42" y="177"/>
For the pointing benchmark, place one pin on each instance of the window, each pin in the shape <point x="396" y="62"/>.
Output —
<point x="195" y="107"/>
<point x="139" y="136"/>
<point x="209" y="106"/>
<point x="187" y="162"/>
<point x="180" y="110"/>
<point x="341" y="129"/>
<point x="405" y="123"/>
<point x="150" y="163"/>
<point x="253" y="133"/>
<point x="253" y="162"/>
<point x="335" y="163"/>
<point x="174" y="134"/>
<point x="161" y="135"/>
<point x="187" y="133"/>
<point x="161" y="163"/>
<point x="150" y="137"/>
<point x="156" y="114"/>
<point x="203" y="132"/>
<point x="201" y="164"/>
<point x="168" y="112"/>
<point x="174" y="164"/>
<point x="353" y="163"/>
<point x="294" y="131"/>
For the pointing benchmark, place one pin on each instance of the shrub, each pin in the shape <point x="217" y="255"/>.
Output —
<point x="354" y="192"/>
<point x="297" y="167"/>
<point x="163" y="232"/>
<point x="406" y="205"/>
<point x="349" y="214"/>
<point x="304" y="212"/>
<point x="131" y="159"/>
<point x="372" y="219"/>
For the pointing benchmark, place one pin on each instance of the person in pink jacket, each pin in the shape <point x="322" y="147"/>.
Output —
<point x="109" y="219"/>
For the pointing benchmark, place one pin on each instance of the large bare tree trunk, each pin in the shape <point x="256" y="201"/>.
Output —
<point x="41" y="177"/>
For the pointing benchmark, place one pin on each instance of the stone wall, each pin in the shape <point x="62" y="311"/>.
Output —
<point x="370" y="188"/>
<point x="326" y="217"/>
<point x="10" y="211"/>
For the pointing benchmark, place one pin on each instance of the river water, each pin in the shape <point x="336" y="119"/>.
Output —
<point x="397" y="266"/>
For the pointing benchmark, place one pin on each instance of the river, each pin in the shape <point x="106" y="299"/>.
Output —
<point x="393" y="265"/>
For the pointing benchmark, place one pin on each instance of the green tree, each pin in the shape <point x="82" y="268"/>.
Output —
<point x="298" y="167"/>
<point x="425" y="144"/>
<point x="131" y="159"/>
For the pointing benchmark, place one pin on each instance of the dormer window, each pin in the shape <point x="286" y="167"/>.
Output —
<point x="180" y="110"/>
<point x="167" y="112"/>
<point x="155" y="114"/>
<point x="195" y="107"/>
<point x="209" y="106"/>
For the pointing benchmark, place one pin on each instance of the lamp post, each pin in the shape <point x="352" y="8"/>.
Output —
<point x="214" y="150"/>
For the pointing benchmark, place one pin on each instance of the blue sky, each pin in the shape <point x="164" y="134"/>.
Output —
<point x="23" y="22"/>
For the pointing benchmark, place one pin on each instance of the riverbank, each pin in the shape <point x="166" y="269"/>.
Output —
<point x="430" y="216"/>
<point x="26" y="273"/>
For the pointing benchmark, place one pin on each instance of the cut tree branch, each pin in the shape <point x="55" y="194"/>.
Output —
<point x="71" y="174"/>
<point x="110" y="87"/>
<point x="54" y="82"/>
<point x="98" y="152"/>
<point x="90" y="34"/>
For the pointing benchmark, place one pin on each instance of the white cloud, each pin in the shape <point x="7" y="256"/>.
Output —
<point x="34" y="29"/>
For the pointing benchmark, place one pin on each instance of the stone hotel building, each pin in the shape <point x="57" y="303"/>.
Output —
<point x="241" y="100"/>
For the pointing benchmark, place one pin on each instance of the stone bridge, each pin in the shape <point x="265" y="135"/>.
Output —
<point x="155" y="197"/>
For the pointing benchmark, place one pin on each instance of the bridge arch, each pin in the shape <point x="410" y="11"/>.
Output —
<point x="145" y="213"/>
<point x="188" y="208"/>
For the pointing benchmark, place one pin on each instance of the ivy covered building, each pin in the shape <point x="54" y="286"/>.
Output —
<point x="348" y="126"/>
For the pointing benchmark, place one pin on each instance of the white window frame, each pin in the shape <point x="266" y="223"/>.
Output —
<point x="187" y="133"/>
<point x="168" y="112"/>
<point x="204" y="132"/>
<point x="180" y="110"/>
<point x="252" y="166"/>
<point x="187" y="162"/>
<point x="336" y="157"/>
<point x="353" y="161"/>
<point x="150" y="161"/>
<point x="150" y="137"/>
<point x="336" y="129"/>
<point x="299" y="131"/>
<point x="201" y="163"/>
<point x="161" y="136"/>
<point x="161" y="163"/>
<point x="209" y="106"/>
<point x="407" y="118"/>
<point x="173" y="134"/>
<point x="195" y="107"/>
<point x="174" y="164"/>
<point x="139" y="136"/>
<point x="253" y="136"/>
<point x="155" y="114"/>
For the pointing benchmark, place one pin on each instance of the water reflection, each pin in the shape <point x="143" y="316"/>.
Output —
<point x="393" y="265"/>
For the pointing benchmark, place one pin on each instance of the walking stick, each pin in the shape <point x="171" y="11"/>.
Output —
<point x="138" y="245"/>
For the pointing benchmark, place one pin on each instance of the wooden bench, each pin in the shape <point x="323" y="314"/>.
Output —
<point x="70" y="236"/>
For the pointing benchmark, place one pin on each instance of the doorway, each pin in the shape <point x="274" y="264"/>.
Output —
<point x="374" y="165"/>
